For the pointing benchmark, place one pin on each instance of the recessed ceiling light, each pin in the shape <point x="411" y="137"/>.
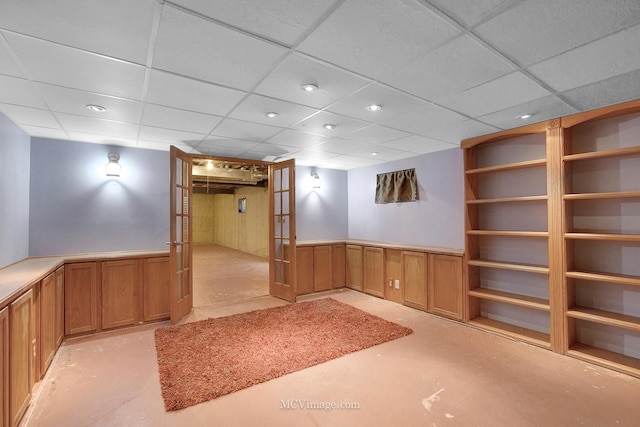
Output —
<point x="271" y="114"/>
<point x="375" y="153"/>
<point x="374" y="107"/>
<point x="329" y="126"/>
<point x="309" y="87"/>
<point x="98" y="108"/>
<point x="525" y="116"/>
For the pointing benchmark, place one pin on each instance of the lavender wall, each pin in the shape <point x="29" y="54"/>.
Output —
<point x="321" y="213"/>
<point x="437" y="219"/>
<point x="14" y="192"/>
<point x="76" y="208"/>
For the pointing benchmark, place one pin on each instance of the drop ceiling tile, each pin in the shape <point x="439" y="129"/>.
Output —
<point x="458" y="65"/>
<point x="29" y="116"/>
<point x="538" y="29"/>
<point x="283" y="21"/>
<point x="365" y="35"/>
<point x="162" y="146"/>
<point x="504" y="92"/>
<point x="383" y="153"/>
<point x="607" y="57"/>
<point x="101" y="138"/>
<point x="341" y="146"/>
<point x="92" y="125"/>
<point x="43" y="132"/>
<point x="393" y="102"/>
<point x="419" y="144"/>
<point x="224" y="147"/>
<point x="470" y="13"/>
<point x="617" y="89"/>
<point x="344" y="125"/>
<point x="286" y="82"/>
<point x="180" y="92"/>
<point x="313" y="156"/>
<point x="293" y="138"/>
<point x="64" y="66"/>
<point x="118" y="28"/>
<point x="248" y="131"/>
<point x="19" y="92"/>
<point x="375" y="134"/>
<point x="173" y="118"/>
<point x="351" y="162"/>
<point x="149" y="133"/>
<point x="542" y="109"/>
<point x="463" y="130"/>
<point x="264" y="149"/>
<point x="8" y="66"/>
<point x="202" y="49"/>
<point x="65" y="100"/>
<point x="255" y="107"/>
<point x="423" y="118"/>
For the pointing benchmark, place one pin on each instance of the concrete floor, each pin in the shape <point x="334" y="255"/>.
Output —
<point x="445" y="374"/>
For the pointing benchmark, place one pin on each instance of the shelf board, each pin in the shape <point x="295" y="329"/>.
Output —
<point x="609" y="195"/>
<point x="510" y="298"/>
<point x="509" y="200"/>
<point x="508" y="166"/>
<point x="608" y="359"/>
<point x="605" y="317"/>
<point x="509" y="266"/>
<point x="604" y="277"/>
<point x="616" y="152"/>
<point x="604" y="236"/>
<point x="521" y="334"/>
<point x="508" y="233"/>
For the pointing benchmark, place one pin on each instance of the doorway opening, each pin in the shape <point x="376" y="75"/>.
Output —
<point x="230" y="230"/>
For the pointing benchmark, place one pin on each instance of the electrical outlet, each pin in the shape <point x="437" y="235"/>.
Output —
<point x="391" y="283"/>
<point x="397" y="283"/>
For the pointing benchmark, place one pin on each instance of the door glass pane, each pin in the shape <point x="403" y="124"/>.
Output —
<point x="185" y="202"/>
<point x="285" y="251"/>
<point x="277" y="203"/>
<point x="278" y="247"/>
<point x="185" y="173"/>
<point x="277" y="226"/>
<point x="178" y="172"/>
<point x="277" y="181"/>
<point x="278" y="268"/>
<point x="285" y="202"/>
<point x="178" y="200"/>
<point x="285" y="273"/>
<point x="185" y="229"/>
<point x="178" y="228"/>
<point x="285" y="178"/>
<point x="179" y="257"/>
<point x="185" y="254"/>
<point x="285" y="226"/>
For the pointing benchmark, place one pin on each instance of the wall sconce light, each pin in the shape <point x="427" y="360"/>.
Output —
<point x="113" y="167"/>
<point x="315" y="179"/>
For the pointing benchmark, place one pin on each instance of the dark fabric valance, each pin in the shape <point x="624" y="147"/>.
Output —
<point x="399" y="186"/>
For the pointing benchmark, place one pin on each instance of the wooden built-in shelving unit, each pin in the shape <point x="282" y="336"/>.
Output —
<point x="585" y="301"/>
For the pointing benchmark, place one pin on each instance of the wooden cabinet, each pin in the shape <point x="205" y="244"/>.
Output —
<point x="120" y="283"/>
<point x="393" y="279"/>
<point x="155" y="280"/>
<point x="414" y="279"/>
<point x="322" y="268"/>
<point x="601" y="195"/>
<point x="59" y="307"/>
<point x="22" y="350"/>
<point x="81" y="297"/>
<point x="304" y="269"/>
<point x="507" y="232"/>
<point x="4" y="367"/>
<point x="373" y="270"/>
<point x="354" y="273"/>
<point x="444" y="285"/>
<point x="47" y="335"/>
<point x="338" y="254"/>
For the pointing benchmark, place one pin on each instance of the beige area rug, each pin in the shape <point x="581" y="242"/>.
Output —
<point x="203" y="360"/>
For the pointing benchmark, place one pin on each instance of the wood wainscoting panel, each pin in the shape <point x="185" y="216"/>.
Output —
<point x="414" y="277"/>
<point x="322" y="268"/>
<point x="120" y="283"/>
<point x="81" y="298"/>
<point x="155" y="289"/>
<point x="445" y="286"/>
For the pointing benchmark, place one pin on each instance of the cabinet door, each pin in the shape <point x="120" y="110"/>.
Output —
<point x="81" y="298"/>
<point x="47" y="321"/>
<point x="374" y="271"/>
<point x="120" y="284"/>
<point x="322" y="274"/>
<point x="4" y="366"/>
<point x="414" y="277"/>
<point x="155" y="291"/>
<point x="59" y="311"/>
<point x="21" y="354"/>
<point x="445" y="285"/>
<point x="354" y="267"/>
<point x="338" y="266"/>
<point x="304" y="269"/>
